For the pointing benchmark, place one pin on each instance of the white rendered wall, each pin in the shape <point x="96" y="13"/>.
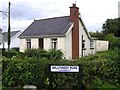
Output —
<point x="87" y="51"/>
<point x="23" y="45"/>
<point x="47" y="43"/>
<point x="15" y="42"/>
<point x="61" y="44"/>
<point x="34" y="43"/>
<point x="68" y="45"/>
<point x="102" y="45"/>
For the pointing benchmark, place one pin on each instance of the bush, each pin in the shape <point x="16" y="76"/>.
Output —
<point x="15" y="48"/>
<point x="114" y="42"/>
<point x="18" y="72"/>
<point x="10" y="53"/>
<point x="40" y="53"/>
<point x="55" y="54"/>
<point x="98" y="71"/>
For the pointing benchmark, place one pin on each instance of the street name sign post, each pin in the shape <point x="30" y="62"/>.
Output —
<point x="65" y="69"/>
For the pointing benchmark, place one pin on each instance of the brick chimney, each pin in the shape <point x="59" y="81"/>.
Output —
<point x="74" y="17"/>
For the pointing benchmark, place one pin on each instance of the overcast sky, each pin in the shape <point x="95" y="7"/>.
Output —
<point x="23" y="12"/>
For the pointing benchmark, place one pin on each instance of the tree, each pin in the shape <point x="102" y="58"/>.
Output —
<point x="111" y="26"/>
<point x="97" y="34"/>
<point x="113" y="41"/>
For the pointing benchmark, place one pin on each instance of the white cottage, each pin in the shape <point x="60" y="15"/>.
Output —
<point x="67" y="33"/>
<point x="15" y="41"/>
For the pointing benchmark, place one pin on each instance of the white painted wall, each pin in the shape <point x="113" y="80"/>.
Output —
<point x="34" y="43"/>
<point x="88" y="51"/>
<point x="102" y="45"/>
<point x="23" y="45"/>
<point x="15" y="42"/>
<point x="61" y="44"/>
<point x="68" y="43"/>
<point x="47" y="43"/>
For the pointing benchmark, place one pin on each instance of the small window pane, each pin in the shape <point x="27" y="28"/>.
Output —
<point x="54" y="43"/>
<point x="91" y="43"/>
<point x="28" y="43"/>
<point x="83" y="44"/>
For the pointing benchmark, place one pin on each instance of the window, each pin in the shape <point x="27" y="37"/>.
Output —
<point x="91" y="43"/>
<point x="54" y="43"/>
<point x="28" y="43"/>
<point x="83" y="44"/>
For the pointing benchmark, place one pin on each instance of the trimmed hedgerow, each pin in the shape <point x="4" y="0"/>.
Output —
<point x="98" y="71"/>
<point x="40" y="53"/>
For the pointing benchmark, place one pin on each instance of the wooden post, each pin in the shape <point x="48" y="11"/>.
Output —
<point x="50" y="78"/>
<point x="80" y="76"/>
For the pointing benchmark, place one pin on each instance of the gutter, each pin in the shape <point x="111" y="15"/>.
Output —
<point x="41" y="36"/>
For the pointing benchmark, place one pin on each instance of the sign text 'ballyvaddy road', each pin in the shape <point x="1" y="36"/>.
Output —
<point x="64" y="68"/>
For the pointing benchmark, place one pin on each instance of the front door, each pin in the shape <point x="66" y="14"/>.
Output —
<point x="41" y="43"/>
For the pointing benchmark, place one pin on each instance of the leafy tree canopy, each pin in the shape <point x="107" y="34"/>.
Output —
<point x="97" y="34"/>
<point x="111" y="26"/>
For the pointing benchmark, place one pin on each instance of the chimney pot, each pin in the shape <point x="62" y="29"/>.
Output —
<point x="74" y="5"/>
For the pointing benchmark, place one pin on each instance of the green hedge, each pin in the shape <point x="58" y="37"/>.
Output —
<point x="98" y="71"/>
<point x="40" y="53"/>
<point x="10" y="53"/>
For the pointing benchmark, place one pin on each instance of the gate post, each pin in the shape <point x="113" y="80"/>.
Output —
<point x="50" y="78"/>
<point x="80" y="76"/>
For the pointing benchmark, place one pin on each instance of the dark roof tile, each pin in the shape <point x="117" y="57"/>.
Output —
<point x="5" y="35"/>
<point x="50" y="26"/>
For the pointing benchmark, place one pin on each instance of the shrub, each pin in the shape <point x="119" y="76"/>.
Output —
<point x="98" y="71"/>
<point x="114" y="42"/>
<point x="29" y="52"/>
<point x="55" y="54"/>
<point x="15" y="48"/>
<point x="10" y="53"/>
<point x="19" y="72"/>
<point x="40" y="53"/>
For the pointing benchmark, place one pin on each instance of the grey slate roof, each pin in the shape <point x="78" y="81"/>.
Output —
<point x="57" y="26"/>
<point x="5" y="35"/>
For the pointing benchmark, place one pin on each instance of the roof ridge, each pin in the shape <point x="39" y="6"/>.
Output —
<point x="51" y="18"/>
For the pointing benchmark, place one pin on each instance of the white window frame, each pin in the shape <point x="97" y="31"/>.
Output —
<point x="54" y="43"/>
<point x="28" y="43"/>
<point x="83" y="42"/>
<point x="91" y="44"/>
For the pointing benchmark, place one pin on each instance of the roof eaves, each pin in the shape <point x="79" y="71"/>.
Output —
<point x="17" y="33"/>
<point x="93" y="38"/>
<point x="42" y="36"/>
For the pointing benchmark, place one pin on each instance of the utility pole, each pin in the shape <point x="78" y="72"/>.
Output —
<point x="9" y="26"/>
